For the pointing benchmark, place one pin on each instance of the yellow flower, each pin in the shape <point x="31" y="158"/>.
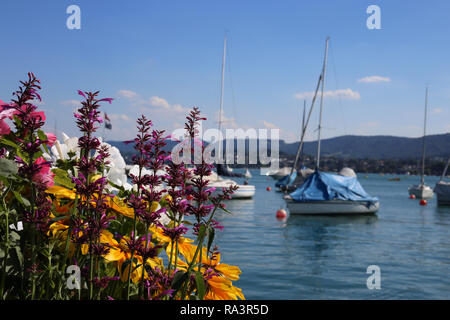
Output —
<point x="95" y="177"/>
<point x="61" y="192"/>
<point x="162" y="238"/>
<point x="221" y="288"/>
<point x="228" y="271"/>
<point x="115" y="203"/>
<point x="120" y="253"/>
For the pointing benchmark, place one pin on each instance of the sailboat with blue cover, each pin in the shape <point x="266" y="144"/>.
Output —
<point x="329" y="193"/>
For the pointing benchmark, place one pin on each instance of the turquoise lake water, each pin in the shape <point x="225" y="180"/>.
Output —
<point x="307" y="257"/>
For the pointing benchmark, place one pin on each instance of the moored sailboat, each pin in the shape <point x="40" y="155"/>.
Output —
<point x="327" y="193"/>
<point x="422" y="191"/>
<point x="245" y="191"/>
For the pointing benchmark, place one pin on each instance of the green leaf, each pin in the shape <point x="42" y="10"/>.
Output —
<point x="8" y="142"/>
<point x="200" y="283"/>
<point x="226" y="210"/>
<point x="201" y="232"/>
<point x="23" y="201"/>
<point x="43" y="136"/>
<point x="178" y="279"/>
<point x="7" y="167"/>
<point x="211" y="235"/>
<point x="61" y="178"/>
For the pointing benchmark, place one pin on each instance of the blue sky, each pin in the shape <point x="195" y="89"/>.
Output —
<point x="161" y="58"/>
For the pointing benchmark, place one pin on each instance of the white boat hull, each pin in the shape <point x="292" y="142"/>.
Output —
<point x="245" y="191"/>
<point x="442" y="190"/>
<point x="332" y="207"/>
<point x="421" y="191"/>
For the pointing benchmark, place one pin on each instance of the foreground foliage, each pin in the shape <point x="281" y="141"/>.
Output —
<point x="72" y="227"/>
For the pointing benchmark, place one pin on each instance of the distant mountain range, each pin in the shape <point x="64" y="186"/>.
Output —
<point x="376" y="147"/>
<point x="357" y="147"/>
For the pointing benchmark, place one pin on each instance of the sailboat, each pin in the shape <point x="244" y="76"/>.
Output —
<point x="442" y="189"/>
<point x="245" y="191"/>
<point x="295" y="178"/>
<point x="247" y="174"/>
<point x="327" y="193"/>
<point x="422" y="191"/>
<point x="279" y="173"/>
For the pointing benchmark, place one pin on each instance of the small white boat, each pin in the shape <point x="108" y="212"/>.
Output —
<point x="331" y="207"/>
<point x="279" y="174"/>
<point x="245" y="191"/>
<point x="247" y="174"/>
<point x="442" y="189"/>
<point x="421" y="191"/>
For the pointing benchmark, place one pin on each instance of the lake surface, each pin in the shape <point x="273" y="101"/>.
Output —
<point x="307" y="257"/>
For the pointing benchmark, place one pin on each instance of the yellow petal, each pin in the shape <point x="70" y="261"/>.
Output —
<point x="61" y="192"/>
<point x="231" y="272"/>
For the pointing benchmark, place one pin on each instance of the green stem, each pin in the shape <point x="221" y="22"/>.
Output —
<point x="2" y="288"/>
<point x="130" y="268"/>
<point x="171" y="256"/>
<point x="142" y="288"/>
<point x="91" y="271"/>
<point x="5" y="257"/>
<point x="33" y="246"/>
<point x="191" y="265"/>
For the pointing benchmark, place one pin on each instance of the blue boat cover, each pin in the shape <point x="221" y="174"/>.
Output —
<point x="322" y="186"/>
<point x="285" y="180"/>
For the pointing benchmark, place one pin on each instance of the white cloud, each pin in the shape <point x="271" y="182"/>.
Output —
<point x="340" y="93"/>
<point x="120" y="117"/>
<point x="127" y="94"/>
<point x="269" y="125"/>
<point x="373" y="79"/>
<point x="229" y="123"/>
<point x="156" y="101"/>
<point x="153" y="102"/>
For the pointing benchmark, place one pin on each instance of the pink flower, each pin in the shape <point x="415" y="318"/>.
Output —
<point x="4" y="128"/>
<point x="5" y="112"/>
<point x="51" y="138"/>
<point x="34" y="114"/>
<point x="44" y="176"/>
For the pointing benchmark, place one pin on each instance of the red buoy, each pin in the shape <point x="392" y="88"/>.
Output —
<point x="423" y="202"/>
<point x="281" y="214"/>
<point x="411" y="196"/>
<point x="268" y="188"/>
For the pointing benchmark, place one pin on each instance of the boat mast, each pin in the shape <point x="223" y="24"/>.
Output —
<point x="422" y="179"/>
<point x="303" y="128"/>
<point x="321" y="102"/>
<point x="221" y="95"/>
<point x="300" y="146"/>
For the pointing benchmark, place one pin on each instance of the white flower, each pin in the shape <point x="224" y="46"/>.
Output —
<point x="116" y="167"/>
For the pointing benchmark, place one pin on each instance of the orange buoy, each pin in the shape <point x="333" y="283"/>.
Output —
<point x="281" y="214"/>
<point x="268" y="188"/>
<point x="412" y="196"/>
<point x="423" y="202"/>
